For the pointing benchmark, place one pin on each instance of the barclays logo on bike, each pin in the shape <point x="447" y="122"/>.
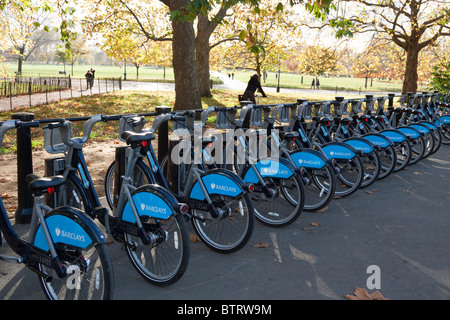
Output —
<point x="340" y="154"/>
<point x="310" y="162"/>
<point x="146" y="207"/>
<point x="272" y="171"/>
<point x="222" y="188"/>
<point x="69" y="235"/>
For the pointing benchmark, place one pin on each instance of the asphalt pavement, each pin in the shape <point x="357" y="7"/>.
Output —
<point x="393" y="236"/>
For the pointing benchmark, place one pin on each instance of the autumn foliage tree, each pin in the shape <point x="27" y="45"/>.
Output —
<point x="317" y="60"/>
<point x="411" y="24"/>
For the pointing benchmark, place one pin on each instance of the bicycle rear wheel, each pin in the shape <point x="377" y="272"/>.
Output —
<point x="89" y="275"/>
<point x="165" y="262"/>
<point x="320" y="188"/>
<point x="232" y="230"/>
<point x="403" y="151"/>
<point x="388" y="159"/>
<point x="286" y="204"/>
<point x="372" y="168"/>
<point x="350" y="176"/>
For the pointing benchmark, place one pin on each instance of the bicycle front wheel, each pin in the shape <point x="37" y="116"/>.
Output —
<point x="140" y="177"/>
<point x="230" y="231"/>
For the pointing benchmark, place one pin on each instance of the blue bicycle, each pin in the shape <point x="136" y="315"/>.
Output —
<point x="220" y="207"/>
<point x="65" y="248"/>
<point x="148" y="220"/>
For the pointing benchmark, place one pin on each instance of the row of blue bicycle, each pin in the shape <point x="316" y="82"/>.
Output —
<point x="223" y="171"/>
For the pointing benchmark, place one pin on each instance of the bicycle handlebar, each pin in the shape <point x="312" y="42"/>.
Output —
<point x="11" y="124"/>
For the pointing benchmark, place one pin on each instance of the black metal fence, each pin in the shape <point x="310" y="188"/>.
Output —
<point x="32" y="85"/>
<point x="42" y="90"/>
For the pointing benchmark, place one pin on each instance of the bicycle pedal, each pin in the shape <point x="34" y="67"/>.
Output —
<point x="11" y="259"/>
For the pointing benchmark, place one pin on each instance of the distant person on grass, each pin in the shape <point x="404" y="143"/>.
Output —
<point x="252" y="86"/>
<point x="313" y="85"/>
<point x="317" y="83"/>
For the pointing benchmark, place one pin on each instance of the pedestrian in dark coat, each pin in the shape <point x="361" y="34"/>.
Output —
<point x="252" y="86"/>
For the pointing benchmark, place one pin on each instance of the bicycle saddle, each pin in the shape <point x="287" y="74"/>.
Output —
<point x="133" y="137"/>
<point x="38" y="183"/>
<point x="322" y="119"/>
<point x="288" y="135"/>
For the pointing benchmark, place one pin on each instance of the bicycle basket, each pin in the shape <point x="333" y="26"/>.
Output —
<point x="131" y="123"/>
<point x="53" y="142"/>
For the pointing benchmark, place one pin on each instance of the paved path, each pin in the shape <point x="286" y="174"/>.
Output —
<point x="102" y="86"/>
<point x="400" y="224"/>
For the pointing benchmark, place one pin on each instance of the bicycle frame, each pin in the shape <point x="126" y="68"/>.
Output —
<point x="122" y="220"/>
<point x="45" y="227"/>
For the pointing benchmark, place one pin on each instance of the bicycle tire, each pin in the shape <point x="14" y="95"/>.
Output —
<point x="372" y="168"/>
<point x="230" y="233"/>
<point x="320" y="188"/>
<point x="208" y="228"/>
<point x="285" y="207"/>
<point x="90" y="274"/>
<point x="74" y="195"/>
<point x="171" y="251"/>
<point x="140" y="177"/>
<point x="403" y="151"/>
<point x="388" y="159"/>
<point x="349" y="177"/>
<point x="320" y="184"/>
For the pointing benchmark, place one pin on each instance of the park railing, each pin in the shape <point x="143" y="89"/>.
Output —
<point x="27" y="91"/>
<point x="24" y="145"/>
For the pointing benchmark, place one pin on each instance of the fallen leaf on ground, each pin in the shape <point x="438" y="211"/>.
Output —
<point x="322" y="210"/>
<point x="194" y="238"/>
<point x="261" y="245"/>
<point x="362" y="294"/>
<point x="314" y="224"/>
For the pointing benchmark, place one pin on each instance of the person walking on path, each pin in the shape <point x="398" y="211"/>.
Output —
<point x="317" y="83"/>
<point x="252" y="86"/>
<point x="88" y="77"/>
<point x="313" y="85"/>
<point x="93" y="76"/>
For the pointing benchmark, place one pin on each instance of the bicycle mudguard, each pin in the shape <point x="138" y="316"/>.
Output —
<point x="445" y="119"/>
<point x="420" y="127"/>
<point x="308" y="158"/>
<point x="394" y="135"/>
<point x="360" y="144"/>
<point x="69" y="226"/>
<point x="409" y="131"/>
<point x="378" y="139"/>
<point x="430" y="125"/>
<point x="339" y="150"/>
<point x="268" y="167"/>
<point x="217" y="181"/>
<point x="151" y="201"/>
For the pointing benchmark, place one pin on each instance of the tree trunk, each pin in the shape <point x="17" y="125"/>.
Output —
<point x="20" y="60"/>
<point x="187" y="95"/>
<point x="412" y="59"/>
<point x="202" y="50"/>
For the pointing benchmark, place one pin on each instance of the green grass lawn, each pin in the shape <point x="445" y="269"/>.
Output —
<point x="50" y="70"/>
<point x="287" y="80"/>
